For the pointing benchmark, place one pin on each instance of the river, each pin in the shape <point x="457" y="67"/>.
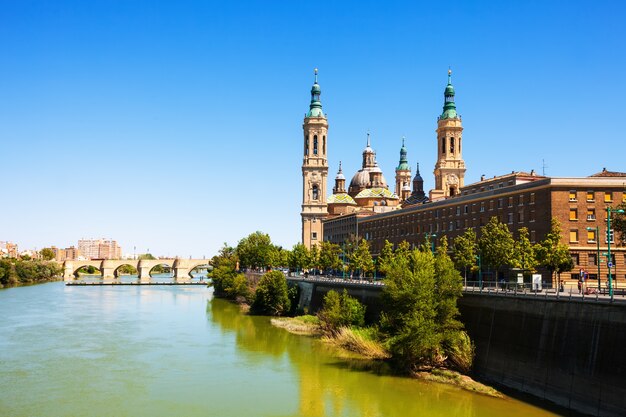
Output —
<point x="177" y="351"/>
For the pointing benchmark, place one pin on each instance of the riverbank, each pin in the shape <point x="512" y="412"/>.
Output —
<point x="355" y="345"/>
<point x="17" y="272"/>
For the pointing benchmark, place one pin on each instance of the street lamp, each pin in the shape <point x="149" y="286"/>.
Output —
<point x="480" y="272"/>
<point x="430" y="237"/>
<point x="609" y="263"/>
<point x="597" y="236"/>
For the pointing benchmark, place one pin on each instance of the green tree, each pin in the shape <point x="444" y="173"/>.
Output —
<point x="256" y="250"/>
<point x="340" y="310"/>
<point x="464" y="251"/>
<point x="47" y="254"/>
<point x="386" y="254"/>
<point x="448" y="288"/>
<point x="226" y="256"/>
<point x="271" y="296"/>
<point x="299" y="257"/>
<point x="525" y="256"/>
<point x="314" y="258"/>
<point x="618" y="222"/>
<point x="496" y="245"/>
<point x="329" y="256"/>
<point x="408" y="318"/>
<point x="361" y="260"/>
<point x="552" y="253"/>
<point x="147" y="256"/>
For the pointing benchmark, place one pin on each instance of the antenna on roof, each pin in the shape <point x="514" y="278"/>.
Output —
<point x="543" y="167"/>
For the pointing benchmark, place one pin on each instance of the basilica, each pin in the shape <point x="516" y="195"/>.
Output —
<point x="368" y="192"/>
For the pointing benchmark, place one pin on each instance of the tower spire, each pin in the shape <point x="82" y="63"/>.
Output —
<point x="315" y="108"/>
<point x="449" y="107"/>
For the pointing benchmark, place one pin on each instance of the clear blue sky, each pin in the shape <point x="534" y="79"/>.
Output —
<point x="177" y="126"/>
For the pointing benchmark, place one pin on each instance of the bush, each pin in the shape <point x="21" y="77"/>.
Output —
<point x="271" y="296"/>
<point x="340" y="311"/>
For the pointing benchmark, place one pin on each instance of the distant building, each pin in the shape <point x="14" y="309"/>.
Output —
<point x="68" y="254"/>
<point x="99" y="249"/>
<point x="8" y="249"/>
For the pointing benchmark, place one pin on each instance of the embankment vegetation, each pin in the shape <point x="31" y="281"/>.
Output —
<point x="16" y="272"/>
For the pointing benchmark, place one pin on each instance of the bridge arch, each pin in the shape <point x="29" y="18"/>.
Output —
<point x="77" y="265"/>
<point x="125" y="269"/>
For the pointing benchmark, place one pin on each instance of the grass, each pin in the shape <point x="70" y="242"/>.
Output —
<point x="301" y="325"/>
<point x="361" y="341"/>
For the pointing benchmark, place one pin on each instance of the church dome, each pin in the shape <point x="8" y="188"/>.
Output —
<point x="361" y="179"/>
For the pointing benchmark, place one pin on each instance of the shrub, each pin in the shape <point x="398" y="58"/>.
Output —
<point x="340" y="311"/>
<point x="271" y="296"/>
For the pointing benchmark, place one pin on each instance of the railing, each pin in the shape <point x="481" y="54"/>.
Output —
<point x="570" y="291"/>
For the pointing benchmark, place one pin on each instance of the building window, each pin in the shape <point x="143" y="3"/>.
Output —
<point x="531" y="217"/>
<point x="575" y="259"/>
<point x="306" y="146"/>
<point x="591" y="236"/>
<point x="591" y="196"/>
<point x="443" y="146"/>
<point x="313" y="235"/>
<point x="572" y="196"/>
<point x="573" y="236"/>
<point x="316" y="192"/>
<point x="450" y="227"/>
<point x="482" y="207"/>
<point x="323" y="145"/>
<point x="520" y="216"/>
<point x="510" y="201"/>
<point x="532" y="236"/>
<point x="315" y="145"/>
<point x="510" y="218"/>
<point x="521" y="199"/>
<point x="490" y="205"/>
<point x="458" y="210"/>
<point x="532" y="198"/>
<point x="592" y="259"/>
<point x="452" y="146"/>
<point x="608" y="197"/>
<point x="499" y="203"/>
<point x="466" y="209"/>
<point x="591" y="214"/>
<point x="573" y="214"/>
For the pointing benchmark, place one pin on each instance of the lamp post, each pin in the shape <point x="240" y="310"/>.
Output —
<point x="343" y="260"/>
<point x="431" y="236"/>
<point x="480" y="272"/>
<point x="608" y="240"/>
<point x="597" y="230"/>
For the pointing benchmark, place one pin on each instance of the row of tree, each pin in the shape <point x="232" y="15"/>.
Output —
<point x="497" y="249"/>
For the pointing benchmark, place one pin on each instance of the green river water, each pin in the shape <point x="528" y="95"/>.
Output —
<point x="176" y="351"/>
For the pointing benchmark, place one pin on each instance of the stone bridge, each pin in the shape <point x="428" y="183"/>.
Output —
<point x="109" y="267"/>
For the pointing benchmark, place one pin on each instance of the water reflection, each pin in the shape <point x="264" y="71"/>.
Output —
<point x="329" y="386"/>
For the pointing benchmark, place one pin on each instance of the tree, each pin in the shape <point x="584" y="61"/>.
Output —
<point x="329" y="256"/>
<point x="314" y="257"/>
<point x="525" y="256"/>
<point x="256" y="250"/>
<point x="464" y="251"/>
<point x="271" y="296"/>
<point x="340" y="310"/>
<point x="47" y="254"/>
<point x="226" y="257"/>
<point x="360" y="260"/>
<point x="408" y="318"/>
<point x="496" y="245"/>
<point x="552" y="253"/>
<point x="147" y="256"/>
<point x="299" y="257"/>
<point x="618" y="222"/>
<point x="386" y="254"/>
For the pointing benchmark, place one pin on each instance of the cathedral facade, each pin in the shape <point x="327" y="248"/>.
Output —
<point x="368" y="192"/>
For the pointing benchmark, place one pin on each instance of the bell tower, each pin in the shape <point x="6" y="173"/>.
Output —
<point x="450" y="167"/>
<point x="403" y="175"/>
<point x="314" y="170"/>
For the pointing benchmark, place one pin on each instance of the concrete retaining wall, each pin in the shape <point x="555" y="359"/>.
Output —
<point x="568" y="352"/>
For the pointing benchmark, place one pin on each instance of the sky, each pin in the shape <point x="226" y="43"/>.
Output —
<point x="173" y="127"/>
